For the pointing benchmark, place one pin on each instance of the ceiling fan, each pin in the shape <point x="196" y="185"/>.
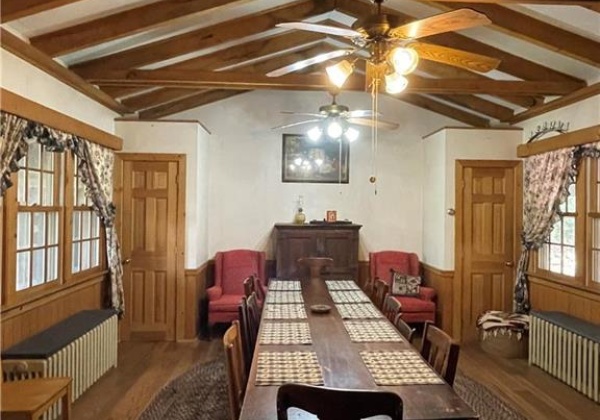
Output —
<point x="391" y="47"/>
<point x="335" y="120"/>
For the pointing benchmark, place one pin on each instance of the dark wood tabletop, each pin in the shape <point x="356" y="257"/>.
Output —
<point x="343" y="367"/>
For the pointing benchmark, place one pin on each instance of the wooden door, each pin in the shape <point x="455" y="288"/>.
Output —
<point x="150" y="204"/>
<point x="488" y="220"/>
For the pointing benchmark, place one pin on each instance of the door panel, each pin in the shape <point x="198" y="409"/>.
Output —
<point x="487" y="238"/>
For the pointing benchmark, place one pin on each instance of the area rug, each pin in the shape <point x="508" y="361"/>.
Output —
<point x="200" y="394"/>
<point x="483" y="401"/>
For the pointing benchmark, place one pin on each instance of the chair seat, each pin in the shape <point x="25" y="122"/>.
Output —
<point x="226" y="303"/>
<point x="415" y="304"/>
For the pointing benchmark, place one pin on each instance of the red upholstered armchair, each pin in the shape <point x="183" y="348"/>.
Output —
<point x="414" y="308"/>
<point x="231" y="268"/>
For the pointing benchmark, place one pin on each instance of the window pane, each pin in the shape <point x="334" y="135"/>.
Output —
<point x="596" y="266"/>
<point x="569" y="230"/>
<point x="571" y="208"/>
<point x="76" y="225"/>
<point x="52" y="267"/>
<point x="555" y="234"/>
<point x="543" y="257"/>
<point x="75" y="257"/>
<point x="85" y="224"/>
<point x="34" y="155"/>
<point x="39" y="229"/>
<point x="48" y="189"/>
<point x="33" y="188"/>
<point x="555" y="258"/>
<point x="47" y="160"/>
<point x="22" y="270"/>
<point x="22" y="189"/>
<point x="38" y="267"/>
<point x="569" y="261"/>
<point x="81" y="199"/>
<point x="23" y="230"/>
<point x="95" y="253"/>
<point x="52" y="228"/>
<point x="95" y="225"/>
<point x="85" y="255"/>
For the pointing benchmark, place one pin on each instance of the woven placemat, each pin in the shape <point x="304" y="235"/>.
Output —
<point x="372" y="331"/>
<point x="291" y="311"/>
<point x="341" y="285"/>
<point x="285" y="333"/>
<point x="284" y="297"/>
<point x="358" y="311"/>
<point x="284" y="285"/>
<point x="349" y="296"/>
<point x="276" y="368"/>
<point x="403" y="367"/>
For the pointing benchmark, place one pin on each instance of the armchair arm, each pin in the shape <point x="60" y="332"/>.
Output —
<point x="214" y="292"/>
<point x="427" y="293"/>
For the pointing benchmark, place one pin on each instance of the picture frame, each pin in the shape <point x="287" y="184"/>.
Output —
<point x="331" y="216"/>
<point x="322" y="161"/>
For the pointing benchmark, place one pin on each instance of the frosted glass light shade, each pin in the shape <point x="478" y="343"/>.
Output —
<point x="334" y="130"/>
<point x="351" y="134"/>
<point x="314" y="133"/>
<point x="395" y="83"/>
<point x="338" y="73"/>
<point x="404" y="60"/>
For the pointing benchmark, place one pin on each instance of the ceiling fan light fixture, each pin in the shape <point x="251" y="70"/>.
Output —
<point x="395" y="83"/>
<point x="314" y="133"/>
<point x="351" y="134"/>
<point x="338" y="73"/>
<point x="335" y="130"/>
<point x="404" y="60"/>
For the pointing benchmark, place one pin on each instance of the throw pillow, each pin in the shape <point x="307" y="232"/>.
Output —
<point x="405" y="285"/>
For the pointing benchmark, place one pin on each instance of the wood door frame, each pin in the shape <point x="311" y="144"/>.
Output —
<point x="460" y="165"/>
<point x="180" y="230"/>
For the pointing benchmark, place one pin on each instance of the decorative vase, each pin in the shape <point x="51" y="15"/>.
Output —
<point x="299" y="217"/>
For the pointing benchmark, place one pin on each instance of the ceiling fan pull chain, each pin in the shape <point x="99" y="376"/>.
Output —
<point x="374" y="107"/>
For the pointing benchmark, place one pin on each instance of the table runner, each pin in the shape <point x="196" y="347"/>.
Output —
<point x="285" y="333"/>
<point x="341" y="285"/>
<point x="290" y="311"/>
<point x="349" y="296"/>
<point x="358" y="311"/>
<point x="276" y="368"/>
<point x="284" y="297"/>
<point x="284" y="285"/>
<point x="372" y="331"/>
<point x="402" y="367"/>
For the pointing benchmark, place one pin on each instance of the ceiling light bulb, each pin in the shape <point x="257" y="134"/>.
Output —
<point x="319" y="162"/>
<point x="395" y="83"/>
<point x="404" y="60"/>
<point x="334" y="130"/>
<point x="351" y="134"/>
<point x="298" y="161"/>
<point x="314" y="133"/>
<point x="338" y="73"/>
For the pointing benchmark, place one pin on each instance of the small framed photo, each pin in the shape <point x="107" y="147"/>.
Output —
<point x="304" y="160"/>
<point x="331" y="215"/>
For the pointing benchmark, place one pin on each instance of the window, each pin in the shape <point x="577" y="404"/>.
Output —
<point x="594" y="221"/>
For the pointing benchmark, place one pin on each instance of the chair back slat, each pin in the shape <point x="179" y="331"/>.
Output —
<point x="406" y="330"/>
<point x="235" y="369"/>
<point x="245" y="331"/>
<point x="249" y="286"/>
<point x="391" y="307"/>
<point x="440" y="351"/>
<point x="381" y="290"/>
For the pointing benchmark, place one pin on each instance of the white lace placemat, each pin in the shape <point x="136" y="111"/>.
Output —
<point x="349" y="296"/>
<point x="284" y="285"/>
<point x="291" y="311"/>
<point x="285" y="333"/>
<point x="341" y="285"/>
<point x="372" y="331"/>
<point x="358" y="311"/>
<point x="284" y="297"/>
<point x="276" y="368"/>
<point x="403" y="367"/>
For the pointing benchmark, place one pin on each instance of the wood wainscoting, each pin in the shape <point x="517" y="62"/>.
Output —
<point x="23" y="321"/>
<point x="194" y="292"/>
<point x="442" y="281"/>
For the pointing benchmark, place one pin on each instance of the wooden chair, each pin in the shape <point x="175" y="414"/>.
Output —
<point x="381" y="290"/>
<point x="315" y="265"/>
<point x="254" y="312"/>
<point x="248" y="341"/>
<point x="406" y="330"/>
<point x="337" y="404"/>
<point x="441" y="351"/>
<point x="391" y="307"/>
<point x="235" y="368"/>
<point x="249" y="286"/>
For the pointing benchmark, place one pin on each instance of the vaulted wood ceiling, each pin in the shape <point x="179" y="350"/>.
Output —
<point x="151" y="58"/>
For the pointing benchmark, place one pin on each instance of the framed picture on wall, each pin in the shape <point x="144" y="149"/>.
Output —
<point x="323" y="161"/>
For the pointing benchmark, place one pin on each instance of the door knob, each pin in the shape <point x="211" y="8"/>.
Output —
<point x="509" y="263"/>
<point x="126" y="261"/>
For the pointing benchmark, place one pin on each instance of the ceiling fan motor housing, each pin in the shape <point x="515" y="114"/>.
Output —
<point x="333" y="109"/>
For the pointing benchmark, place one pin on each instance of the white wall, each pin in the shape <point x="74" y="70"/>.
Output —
<point x="22" y="78"/>
<point x="455" y="144"/>
<point x="186" y="138"/>
<point x="247" y="196"/>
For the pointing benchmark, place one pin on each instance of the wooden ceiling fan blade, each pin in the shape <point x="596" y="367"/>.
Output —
<point x="298" y="65"/>
<point x="455" y="20"/>
<point x="454" y="57"/>
<point x="324" y="29"/>
<point x="279" y="127"/>
<point x="359" y="113"/>
<point x="306" y="114"/>
<point x="386" y="125"/>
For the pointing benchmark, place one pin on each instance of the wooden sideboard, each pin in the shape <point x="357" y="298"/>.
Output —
<point x="335" y="240"/>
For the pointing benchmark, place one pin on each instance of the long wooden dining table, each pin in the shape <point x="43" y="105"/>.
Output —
<point x="342" y="365"/>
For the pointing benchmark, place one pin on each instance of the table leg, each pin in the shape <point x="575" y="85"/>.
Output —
<point x="66" y="404"/>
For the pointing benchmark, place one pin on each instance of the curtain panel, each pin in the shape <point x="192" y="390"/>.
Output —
<point x="96" y="168"/>
<point x="545" y="187"/>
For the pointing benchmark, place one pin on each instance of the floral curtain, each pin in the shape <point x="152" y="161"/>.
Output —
<point x="12" y="147"/>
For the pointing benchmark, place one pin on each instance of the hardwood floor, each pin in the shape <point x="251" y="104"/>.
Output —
<point x="144" y="368"/>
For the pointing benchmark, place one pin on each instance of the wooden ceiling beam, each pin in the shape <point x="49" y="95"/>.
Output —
<point x="190" y="102"/>
<point x="117" y="25"/>
<point x="511" y="64"/>
<point x="35" y="57"/>
<point x="16" y="9"/>
<point x="474" y="103"/>
<point x="212" y="36"/>
<point x="248" y="80"/>
<point x="550" y="2"/>
<point x="534" y="30"/>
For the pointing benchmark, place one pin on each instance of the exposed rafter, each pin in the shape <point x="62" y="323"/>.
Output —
<point x="15" y="9"/>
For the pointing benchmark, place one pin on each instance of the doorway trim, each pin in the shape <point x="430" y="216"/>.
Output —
<point x="180" y="229"/>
